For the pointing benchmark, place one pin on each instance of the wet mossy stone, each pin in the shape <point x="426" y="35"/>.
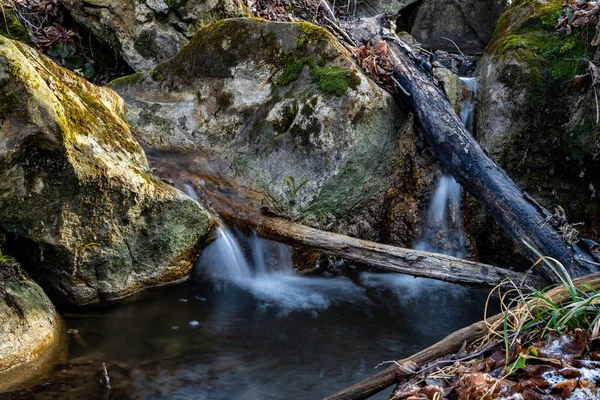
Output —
<point x="91" y="222"/>
<point x="533" y="118"/>
<point x="30" y="327"/>
<point x="285" y="109"/>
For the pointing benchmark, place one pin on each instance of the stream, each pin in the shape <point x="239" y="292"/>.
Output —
<point x="246" y="326"/>
<point x="278" y="336"/>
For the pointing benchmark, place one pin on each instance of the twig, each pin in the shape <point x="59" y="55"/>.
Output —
<point x="597" y="108"/>
<point x="455" y="45"/>
<point x="106" y="377"/>
<point x="339" y="30"/>
<point x="5" y="21"/>
<point x="400" y="86"/>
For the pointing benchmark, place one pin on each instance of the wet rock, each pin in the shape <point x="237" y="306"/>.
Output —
<point x="30" y="328"/>
<point x="534" y="119"/>
<point x="288" y="111"/>
<point x="469" y="23"/>
<point x="149" y="32"/>
<point x="84" y="215"/>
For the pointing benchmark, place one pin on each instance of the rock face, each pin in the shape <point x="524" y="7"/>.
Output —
<point x="29" y="325"/>
<point x="371" y="8"/>
<point x="288" y="112"/>
<point x="469" y="23"/>
<point x="534" y="119"/>
<point x="149" y="32"/>
<point x="84" y="216"/>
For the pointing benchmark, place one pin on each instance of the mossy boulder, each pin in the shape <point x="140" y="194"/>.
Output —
<point x="30" y="328"/>
<point x="289" y="113"/>
<point x="84" y="215"/>
<point x="535" y="120"/>
<point x="147" y="32"/>
<point x="468" y="23"/>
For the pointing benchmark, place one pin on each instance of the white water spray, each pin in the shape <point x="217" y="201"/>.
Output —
<point x="264" y="269"/>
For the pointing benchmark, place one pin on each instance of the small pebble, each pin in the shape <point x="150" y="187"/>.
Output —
<point x="194" y="323"/>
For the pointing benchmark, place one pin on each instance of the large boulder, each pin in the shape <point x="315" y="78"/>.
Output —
<point x="147" y="32"/>
<point x="288" y="112"/>
<point x="468" y="24"/>
<point x="30" y="328"/>
<point x="84" y="215"/>
<point x="534" y="118"/>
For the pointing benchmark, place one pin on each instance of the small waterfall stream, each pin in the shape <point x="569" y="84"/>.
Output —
<point x="443" y="232"/>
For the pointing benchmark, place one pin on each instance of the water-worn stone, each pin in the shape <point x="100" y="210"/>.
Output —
<point x="87" y="219"/>
<point x="149" y="32"/>
<point x="469" y="23"/>
<point x="288" y="111"/>
<point x="534" y="119"/>
<point x="30" y="327"/>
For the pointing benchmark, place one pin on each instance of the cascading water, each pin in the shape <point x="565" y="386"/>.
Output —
<point x="264" y="269"/>
<point x="443" y="231"/>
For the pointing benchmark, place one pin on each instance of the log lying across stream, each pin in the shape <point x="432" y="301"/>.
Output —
<point x="521" y="218"/>
<point x="449" y="345"/>
<point x="380" y="256"/>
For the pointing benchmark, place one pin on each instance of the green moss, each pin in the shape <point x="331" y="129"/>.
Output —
<point x="156" y="75"/>
<point x="527" y="31"/>
<point x="335" y="80"/>
<point x="127" y="80"/>
<point x="292" y="70"/>
<point x="331" y="80"/>
<point x="11" y="27"/>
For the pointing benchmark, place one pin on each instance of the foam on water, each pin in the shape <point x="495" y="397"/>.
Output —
<point x="264" y="269"/>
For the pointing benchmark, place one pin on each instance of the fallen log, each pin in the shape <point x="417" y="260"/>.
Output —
<point x="521" y="218"/>
<point x="449" y="345"/>
<point x="380" y="256"/>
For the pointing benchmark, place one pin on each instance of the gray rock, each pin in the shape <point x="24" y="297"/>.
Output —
<point x="91" y="222"/>
<point x="149" y="32"/>
<point x="534" y="119"/>
<point x="371" y="8"/>
<point x="468" y="23"/>
<point x="30" y="328"/>
<point x="288" y="113"/>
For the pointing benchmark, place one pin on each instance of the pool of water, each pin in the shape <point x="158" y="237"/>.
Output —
<point x="290" y="337"/>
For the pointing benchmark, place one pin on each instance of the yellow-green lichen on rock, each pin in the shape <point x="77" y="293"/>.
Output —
<point x="91" y="222"/>
<point x="286" y="109"/>
<point x="533" y="117"/>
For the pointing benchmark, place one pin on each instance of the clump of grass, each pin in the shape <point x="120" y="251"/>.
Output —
<point x="530" y="316"/>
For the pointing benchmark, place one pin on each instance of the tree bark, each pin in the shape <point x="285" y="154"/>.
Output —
<point x="521" y="218"/>
<point x="448" y="345"/>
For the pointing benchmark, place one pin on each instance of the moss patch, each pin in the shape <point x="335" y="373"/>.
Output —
<point x="331" y="80"/>
<point x="11" y="27"/>
<point x="527" y="31"/>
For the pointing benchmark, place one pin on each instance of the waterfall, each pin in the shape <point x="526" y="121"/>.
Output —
<point x="264" y="269"/>
<point x="443" y="232"/>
